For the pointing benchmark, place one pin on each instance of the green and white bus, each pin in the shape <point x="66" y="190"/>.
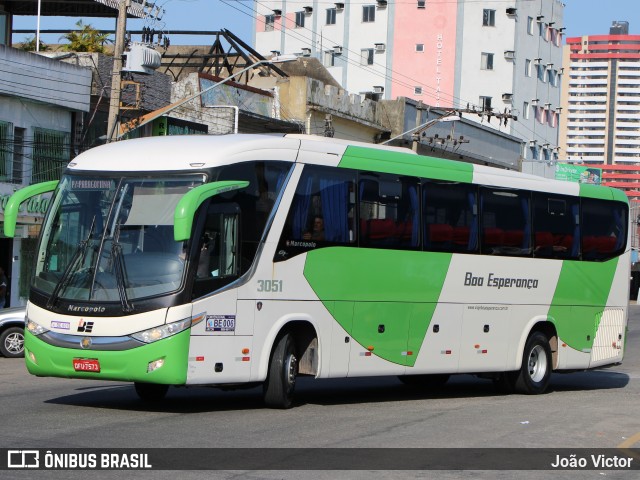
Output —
<point x="253" y="259"/>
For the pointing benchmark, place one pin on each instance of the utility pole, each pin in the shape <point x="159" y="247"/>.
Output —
<point x="116" y="72"/>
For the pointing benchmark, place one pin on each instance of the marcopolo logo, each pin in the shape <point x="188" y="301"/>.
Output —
<point x="86" y="309"/>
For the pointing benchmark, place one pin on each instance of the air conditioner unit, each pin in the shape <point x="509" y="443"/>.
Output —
<point x="339" y="6"/>
<point x="537" y="61"/>
<point x="382" y="3"/>
<point x="378" y="89"/>
<point x="539" y="18"/>
<point x="507" y="97"/>
<point x="277" y="12"/>
<point x="533" y="143"/>
<point x="534" y="101"/>
<point x="511" y="11"/>
<point x="337" y="49"/>
<point x="308" y="10"/>
<point x="306" y="52"/>
<point x="509" y="54"/>
<point x="549" y="65"/>
<point x="380" y="47"/>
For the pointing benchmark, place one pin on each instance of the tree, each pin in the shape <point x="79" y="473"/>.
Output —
<point x="88" y="39"/>
<point x="29" y="45"/>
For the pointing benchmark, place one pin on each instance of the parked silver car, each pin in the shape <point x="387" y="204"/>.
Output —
<point x="12" y="332"/>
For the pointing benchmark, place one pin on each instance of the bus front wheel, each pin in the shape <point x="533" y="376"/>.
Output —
<point x="281" y="378"/>
<point x="535" y="373"/>
<point x="151" y="392"/>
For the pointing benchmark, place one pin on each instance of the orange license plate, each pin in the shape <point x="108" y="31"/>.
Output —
<point x="86" y="365"/>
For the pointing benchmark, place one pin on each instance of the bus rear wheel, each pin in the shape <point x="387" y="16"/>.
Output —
<point x="283" y="369"/>
<point x="535" y="372"/>
<point x="151" y="392"/>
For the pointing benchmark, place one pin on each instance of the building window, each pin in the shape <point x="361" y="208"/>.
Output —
<point x="366" y="56"/>
<point x="299" y="19"/>
<point x="417" y="90"/>
<point x="485" y="103"/>
<point x="269" y="21"/>
<point x="422" y="3"/>
<point x="368" y="13"/>
<point x="419" y="47"/>
<point x="525" y="110"/>
<point x="527" y="67"/>
<point x="50" y="154"/>
<point x="19" y="145"/>
<point x="530" y="25"/>
<point x="331" y="16"/>
<point x="486" y="61"/>
<point x="488" y="17"/>
<point x="6" y="148"/>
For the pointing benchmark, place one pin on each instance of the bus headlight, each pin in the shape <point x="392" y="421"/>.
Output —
<point x="163" y="331"/>
<point x="34" y="328"/>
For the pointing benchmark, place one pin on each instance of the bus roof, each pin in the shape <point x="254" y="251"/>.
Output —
<point x="195" y="152"/>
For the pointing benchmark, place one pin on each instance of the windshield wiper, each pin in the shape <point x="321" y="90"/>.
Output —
<point x="120" y="271"/>
<point x="69" y="272"/>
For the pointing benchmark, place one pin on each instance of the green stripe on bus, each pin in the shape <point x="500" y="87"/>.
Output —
<point x="124" y="365"/>
<point x="384" y="299"/>
<point x="581" y="295"/>
<point x="369" y="159"/>
<point x="595" y="191"/>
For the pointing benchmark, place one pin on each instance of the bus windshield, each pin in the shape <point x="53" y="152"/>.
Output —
<point x="111" y="239"/>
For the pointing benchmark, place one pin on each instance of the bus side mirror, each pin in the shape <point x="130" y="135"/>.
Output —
<point x="13" y="205"/>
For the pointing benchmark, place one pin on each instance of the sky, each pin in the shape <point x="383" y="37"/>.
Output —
<point x="581" y="17"/>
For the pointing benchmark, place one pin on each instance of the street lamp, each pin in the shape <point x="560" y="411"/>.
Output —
<point x="144" y="119"/>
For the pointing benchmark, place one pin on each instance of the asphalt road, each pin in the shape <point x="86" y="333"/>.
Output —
<point x="596" y="409"/>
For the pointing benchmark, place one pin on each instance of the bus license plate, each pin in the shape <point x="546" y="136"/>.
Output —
<point x="86" y="365"/>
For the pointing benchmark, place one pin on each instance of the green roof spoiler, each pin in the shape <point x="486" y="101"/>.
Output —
<point x="13" y="205"/>
<point x="189" y="203"/>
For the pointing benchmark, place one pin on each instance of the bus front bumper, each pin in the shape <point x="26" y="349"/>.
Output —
<point x="163" y="362"/>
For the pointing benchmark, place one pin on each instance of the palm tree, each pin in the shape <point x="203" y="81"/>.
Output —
<point x="88" y="39"/>
<point x="29" y="45"/>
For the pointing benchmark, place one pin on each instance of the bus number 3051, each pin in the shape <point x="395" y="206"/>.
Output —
<point x="270" y="285"/>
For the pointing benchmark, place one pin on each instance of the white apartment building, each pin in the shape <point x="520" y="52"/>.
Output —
<point x="494" y="56"/>
<point x="601" y="96"/>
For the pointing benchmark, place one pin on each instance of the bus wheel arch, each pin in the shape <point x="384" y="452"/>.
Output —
<point x="538" y="358"/>
<point x="294" y="352"/>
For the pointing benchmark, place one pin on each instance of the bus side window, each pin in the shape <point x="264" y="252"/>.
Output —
<point x="389" y="211"/>
<point x="450" y="217"/>
<point x="556" y="226"/>
<point x="321" y="214"/>
<point x="506" y="222"/>
<point x="604" y="229"/>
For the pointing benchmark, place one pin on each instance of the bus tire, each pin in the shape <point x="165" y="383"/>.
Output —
<point x="426" y="382"/>
<point x="283" y="369"/>
<point x="535" y="372"/>
<point x="151" y="392"/>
